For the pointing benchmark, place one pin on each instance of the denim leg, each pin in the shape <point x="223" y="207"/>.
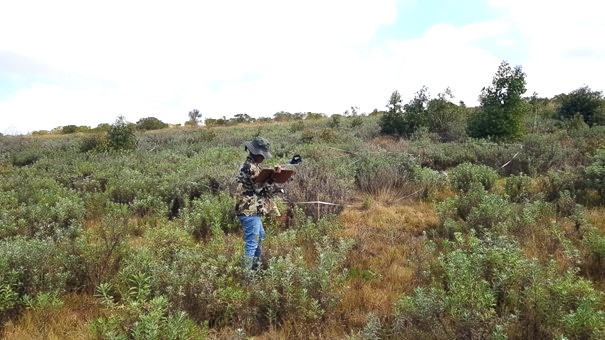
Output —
<point x="261" y="237"/>
<point x="253" y="234"/>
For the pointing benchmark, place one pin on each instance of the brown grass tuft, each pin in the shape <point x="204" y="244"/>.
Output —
<point x="596" y="217"/>
<point x="68" y="322"/>
<point x="389" y="252"/>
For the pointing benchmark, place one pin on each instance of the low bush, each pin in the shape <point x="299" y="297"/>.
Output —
<point x="93" y="142"/>
<point x="37" y="206"/>
<point x="519" y="188"/>
<point x="480" y="210"/>
<point x="594" y="247"/>
<point x="313" y="182"/>
<point x="139" y="315"/>
<point x="465" y="175"/>
<point x="542" y="153"/>
<point x="29" y="267"/>
<point x="209" y="214"/>
<point x="386" y="172"/>
<point x="489" y="289"/>
<point x="98" y="252"/>
<point x="594" y="174"/>
<point x="25" y="158"/>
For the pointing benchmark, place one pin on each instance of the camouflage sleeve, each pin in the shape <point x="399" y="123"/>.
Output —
<point x="271" y="189"/>
<point x="247" y="174"/>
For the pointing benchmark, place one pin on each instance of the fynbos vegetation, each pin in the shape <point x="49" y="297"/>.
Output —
<point x="433" y="235"/>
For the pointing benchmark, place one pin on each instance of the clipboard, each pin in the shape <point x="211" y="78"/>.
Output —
<point x="281" y="177"/>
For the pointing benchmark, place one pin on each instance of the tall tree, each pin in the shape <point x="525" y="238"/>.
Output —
<point x="501" y="106"/>
<point x="590" y="105"/>
<point x="392" y="121"/>
<point x="194" y="117"/>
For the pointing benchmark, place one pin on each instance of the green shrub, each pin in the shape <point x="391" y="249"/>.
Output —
<point x="595" y="174"/>
<point x="31" y="267"/>
<point x="210" y="214"/>
<point x="556" y="182"/>
<point x="98" y="252"/>
<point x="9" y="286"/>
<point x="334" y="121"/>
<point x="594" y="245"/>
<point x="93" y="143"/>
<point x="313" y="183"/>
<point x="465" y="175"/>
<point x="328" y="135"/>
<point x="207" y="135"/>
<point x="150" y="123"/>
<point x="355" y="122"/>
<point x="542" y="153"/>
<point x="139" y="315"/>
<point x="480" y="210"/>
<point x="429" y="181"/>
<point x="36" y="205"/>
<point x="24" y="158"/>
<point x="124" y="187"/>
<point x="445" y="156"/>
<point x="386" y="172"/>
<point x="493" y="211"/>
<point x="121" y="136"/>
<point x="487" y="288"/>
<point x="519" y="188"/>
<point x="149" y="206"/>
<point x="291" y="289"/>
<point x="298" y="125"/>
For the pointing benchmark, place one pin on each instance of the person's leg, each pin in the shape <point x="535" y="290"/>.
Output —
<point x="259" y="251"/>
<point x="252" y="226"/>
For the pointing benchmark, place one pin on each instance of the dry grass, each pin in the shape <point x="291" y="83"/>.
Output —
<point x="68" y="322"/>
<point x="388" y="253"/>
<point x="596" y="217"/>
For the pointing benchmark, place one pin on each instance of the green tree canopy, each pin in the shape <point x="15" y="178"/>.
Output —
<point x="194" y="117"/>
<point x="438" y="115"/>
<point x="150" y="123"/>
<point x="585" y="102"/>
<point x="501" y="105"/>
<point x="392" y="122"/>
<point x="121" y="135"/>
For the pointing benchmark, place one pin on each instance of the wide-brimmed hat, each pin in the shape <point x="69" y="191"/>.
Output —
<point x="259" y="146"/>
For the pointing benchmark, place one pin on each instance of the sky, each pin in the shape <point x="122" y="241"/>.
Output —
<point x="65" y="62"/>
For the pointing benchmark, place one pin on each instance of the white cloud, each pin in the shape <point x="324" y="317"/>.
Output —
<point x="143" y="58"/>
<point x="85" y="63"/>
<point x="564" y="45"/>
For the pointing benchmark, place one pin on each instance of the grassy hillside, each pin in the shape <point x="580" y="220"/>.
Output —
<point x="467" y="239"/>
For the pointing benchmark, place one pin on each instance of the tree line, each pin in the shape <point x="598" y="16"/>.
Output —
<point x="500" y="115"/>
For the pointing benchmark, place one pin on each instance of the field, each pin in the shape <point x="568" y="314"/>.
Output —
<point x="468" y="239"/>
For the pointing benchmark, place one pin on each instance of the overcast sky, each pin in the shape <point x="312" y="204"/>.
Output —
<point x="87" y="62"/>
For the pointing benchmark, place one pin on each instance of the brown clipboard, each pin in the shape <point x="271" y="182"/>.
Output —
<point x="280" y="177"/>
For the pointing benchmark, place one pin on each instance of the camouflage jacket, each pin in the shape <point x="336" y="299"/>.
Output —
<point x="254" y="198"/>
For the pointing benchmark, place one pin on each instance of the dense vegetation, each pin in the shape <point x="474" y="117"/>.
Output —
<point x="436" y="235"/>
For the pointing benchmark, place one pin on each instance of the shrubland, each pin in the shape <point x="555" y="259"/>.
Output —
<point x="436" y="235"/>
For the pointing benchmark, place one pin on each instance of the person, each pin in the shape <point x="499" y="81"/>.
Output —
<point x="254" y="200"/>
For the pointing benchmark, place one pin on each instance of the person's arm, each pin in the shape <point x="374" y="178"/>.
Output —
<point x="270" y="188"/>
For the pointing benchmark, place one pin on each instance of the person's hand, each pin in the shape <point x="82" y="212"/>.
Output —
<point x="277" y="169"/>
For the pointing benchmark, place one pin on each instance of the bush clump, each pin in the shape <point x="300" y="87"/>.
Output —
<point x="384" y="173"/>
<point x="487" y="288"/>
<point x="465" y="175"/>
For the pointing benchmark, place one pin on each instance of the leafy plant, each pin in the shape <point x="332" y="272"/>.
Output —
<point x="502" y="107"/>
<point x="142" y="316"/>
<point x="121" y="135"/>
<point x="465" y="175"/>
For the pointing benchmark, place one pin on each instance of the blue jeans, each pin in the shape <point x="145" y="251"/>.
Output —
<point x="254" y="233"/>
